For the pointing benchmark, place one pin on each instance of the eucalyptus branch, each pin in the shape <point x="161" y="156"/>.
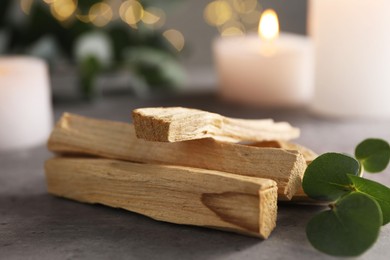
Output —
<point x="358" y="206"/>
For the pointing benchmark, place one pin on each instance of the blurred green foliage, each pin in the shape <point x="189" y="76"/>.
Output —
<point x="156" y="65"/>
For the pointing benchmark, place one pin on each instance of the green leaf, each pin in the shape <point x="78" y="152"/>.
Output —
<point x="376" y="191"/>
<point x="349" y="229"/>
<point x="326" y="177"/>
<point x="374" y="154"/>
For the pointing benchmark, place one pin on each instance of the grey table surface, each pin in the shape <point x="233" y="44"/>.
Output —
<point x="35" y="225"/>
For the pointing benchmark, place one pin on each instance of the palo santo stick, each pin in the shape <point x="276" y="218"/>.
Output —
<point x="307" y="153"/>
<point x="79" y="135"/>
<point x="174" y="194"/>
<point x="300" y="196"/>
<point x="176" y="124"/>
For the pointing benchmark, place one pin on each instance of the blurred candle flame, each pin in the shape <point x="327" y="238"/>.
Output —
<point x="269" y="25"/>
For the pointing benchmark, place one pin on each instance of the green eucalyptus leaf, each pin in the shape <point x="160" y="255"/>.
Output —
<point x="349" y="228"/>
<point x="374" y="154"/>
<point x="376" y="191"/>
<point x="326" y="177"/>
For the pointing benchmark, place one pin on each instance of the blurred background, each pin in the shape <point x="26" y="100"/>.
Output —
<point x="103" y="58"/>
<point x="143" y="48"/>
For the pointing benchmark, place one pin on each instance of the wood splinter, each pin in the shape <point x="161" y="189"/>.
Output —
<point x="174" y="124"/>
<point x="173" y="194"/>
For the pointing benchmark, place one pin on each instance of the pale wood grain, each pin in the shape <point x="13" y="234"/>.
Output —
<point x="81" y="135"/>
<point x="174" y="194"/>
<point x="307" y="153"/>
<point x="174" y="124"/>
<point x="300" y="196"/>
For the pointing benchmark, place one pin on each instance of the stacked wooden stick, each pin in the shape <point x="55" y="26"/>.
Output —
<point x="180" y="165"/>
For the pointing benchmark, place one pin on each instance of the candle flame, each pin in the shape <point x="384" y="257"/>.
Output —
<point x="269" y="25"/>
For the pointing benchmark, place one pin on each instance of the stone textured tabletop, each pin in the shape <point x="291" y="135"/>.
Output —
<point x="35" y="225"/>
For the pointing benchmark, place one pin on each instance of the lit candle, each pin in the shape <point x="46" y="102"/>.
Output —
<point x="271" y="70"/>
<point x="352" y="42"/>
<point x="25" y="105"/>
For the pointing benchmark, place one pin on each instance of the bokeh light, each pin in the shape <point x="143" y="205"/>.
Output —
<point x="154" y="17"/>
<point x="233" y="17"/>
<point x="83" y="18"/>
<point x="176" y="38"/>
<point x="232" y="28"/>
<point x="131" y="12"/>
<point x="100" y="14"/>
<point x="63" y="9"/>
<point x="25" y="5"/>
<point x="252" y="18"/>
<point x="232" y="31"/>
<point x="218" y="12"/>
<point x="244" y="6"/>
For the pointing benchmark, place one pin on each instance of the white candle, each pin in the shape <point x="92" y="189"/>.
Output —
<point x="353" y="57"/>
<point x="25" y="105"/>
<point x="265" y="72"/>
